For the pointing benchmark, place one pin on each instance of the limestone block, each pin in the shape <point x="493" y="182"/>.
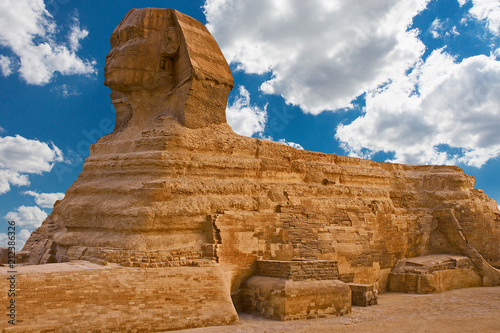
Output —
<point x="283" y="299"/>
<point x="363" y="294"/>
<point x="434" y="273"/>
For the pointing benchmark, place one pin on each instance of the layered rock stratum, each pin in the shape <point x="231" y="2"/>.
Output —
<point x="173" y="186"/>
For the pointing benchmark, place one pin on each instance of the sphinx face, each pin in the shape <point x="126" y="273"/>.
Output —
<point x="134" y="62"/>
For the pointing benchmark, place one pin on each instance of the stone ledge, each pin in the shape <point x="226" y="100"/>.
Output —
<point x="363" y="294"/>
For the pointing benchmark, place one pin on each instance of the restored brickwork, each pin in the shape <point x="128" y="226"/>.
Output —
<point x="85" y="297"/>
<point x="298" y="270"/>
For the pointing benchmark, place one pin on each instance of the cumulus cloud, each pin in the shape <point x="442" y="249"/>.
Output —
<point x="28" y="30"/>
<point x="444" y="112"/>
<point x="21" y="238"/>
<point x="8" y="177"/>
<point x="20" y="156"/>
<point x="488" y="10"/>
<point x="76" y="34"/>
<point x="45" y="200"/>
<point x="291" y="144"/>
<point x="244" y="118"/>
<point x="441" y="28"/>
<point x="5" y="65"/>
<point x="436" y="27"/>
<point x="27" y="217"/>
<point x="321" y="54"/>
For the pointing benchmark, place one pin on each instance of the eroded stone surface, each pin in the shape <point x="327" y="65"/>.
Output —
<point x="434" y="273"/>
<point x="363" y="294"/>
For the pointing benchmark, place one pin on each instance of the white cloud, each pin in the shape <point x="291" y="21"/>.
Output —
<point x="45" y="200"/>
<point x="488" y="10"/>
<point x="20" y="156"/>
<point x="291" y="144"/>
<point x="244" y="118"/>
<point x="442" y="104"/>
<point x="436" y="27"/>
<point x="5" y="65"/>
<point x="27" y="156"/>
<point x="21" y="238"/>
<point x="439" y="29"/>
<point x="75" y="35"/>
<point x="27" y="217"/>
<point x="28" y="30"/>
<point x="8" y="178"/>
<point x="321" y="54"/>
<point x="2" y="130"/>
<point x="65" y="90"/>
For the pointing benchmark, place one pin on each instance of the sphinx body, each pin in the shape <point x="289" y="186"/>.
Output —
<point x="174" y="186"/>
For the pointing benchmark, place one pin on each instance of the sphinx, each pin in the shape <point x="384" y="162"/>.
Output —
<point x="163" y="67"/>
<point x="173" y="187"/>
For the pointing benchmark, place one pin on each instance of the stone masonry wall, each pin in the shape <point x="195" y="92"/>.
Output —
<point x="84" y="297"/>
<point x="298" y="270"/>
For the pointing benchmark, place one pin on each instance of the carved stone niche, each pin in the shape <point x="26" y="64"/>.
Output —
<point x="163" y="62"/>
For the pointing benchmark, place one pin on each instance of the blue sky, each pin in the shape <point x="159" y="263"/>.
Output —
<point x="404" y="81"/>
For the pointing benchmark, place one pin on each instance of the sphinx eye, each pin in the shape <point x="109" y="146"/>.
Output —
<point x="132" y="33"/>
<point x="114" y="40"/>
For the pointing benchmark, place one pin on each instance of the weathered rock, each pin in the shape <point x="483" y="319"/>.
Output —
<point x="174" y="186"/>
<point x="363" y="294"/>
<point x="4" y="255"/>
<point x="434" y="273"/>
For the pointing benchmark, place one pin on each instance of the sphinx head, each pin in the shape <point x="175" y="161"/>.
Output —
<point x="143" y="48"/>
<point x="175" y="60"/>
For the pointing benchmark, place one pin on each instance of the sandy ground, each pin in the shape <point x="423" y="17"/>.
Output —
<point x="462" y="310"/>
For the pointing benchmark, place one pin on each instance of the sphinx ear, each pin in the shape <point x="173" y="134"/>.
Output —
<point x="171" y="49"/>
<point x="173" y="39"/>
